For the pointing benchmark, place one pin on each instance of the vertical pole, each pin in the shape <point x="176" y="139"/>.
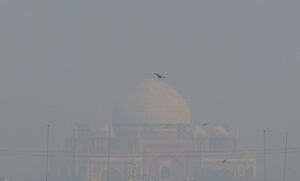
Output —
<point x="265" y="161"/>
<point x="108" y="154"/>
<point x="133" y="170"/>
<point x="285" y="155"/>
<point x="47" y="151"/>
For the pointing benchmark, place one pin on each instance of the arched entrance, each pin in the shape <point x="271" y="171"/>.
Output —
<point x="166" y="168"/>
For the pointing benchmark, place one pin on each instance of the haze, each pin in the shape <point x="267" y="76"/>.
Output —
<point x="67" y="61"/>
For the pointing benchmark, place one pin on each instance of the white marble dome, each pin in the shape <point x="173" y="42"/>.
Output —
<point x="153" y="102"/>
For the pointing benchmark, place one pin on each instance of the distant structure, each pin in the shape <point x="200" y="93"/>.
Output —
<point x="152" y="138"/>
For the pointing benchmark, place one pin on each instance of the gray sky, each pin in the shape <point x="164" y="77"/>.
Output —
<point x="65" y="61"/>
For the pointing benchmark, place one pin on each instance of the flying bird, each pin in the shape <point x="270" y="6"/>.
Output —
<point x="204" y="124"/>
<point x="159" y="76"/>
<point x="224" y="160"/>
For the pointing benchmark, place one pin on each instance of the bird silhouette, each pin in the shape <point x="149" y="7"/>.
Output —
<point x="159" y="76"/>
<point x="223" y="161"/>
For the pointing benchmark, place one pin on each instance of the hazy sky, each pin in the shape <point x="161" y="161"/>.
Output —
<point x="66" y="61"/>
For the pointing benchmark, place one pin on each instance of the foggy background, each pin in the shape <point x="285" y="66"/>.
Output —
<point x="67" y="61"/>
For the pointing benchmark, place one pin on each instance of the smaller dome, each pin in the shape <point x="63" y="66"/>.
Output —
<point x="220" y="132"/>
<point x="199" y="131"/>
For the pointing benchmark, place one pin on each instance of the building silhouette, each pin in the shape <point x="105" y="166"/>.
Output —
<point x="153" y="138"/>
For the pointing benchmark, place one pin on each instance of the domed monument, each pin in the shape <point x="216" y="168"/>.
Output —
<point x="154" y="103"/>
<point x="152" y="138"/>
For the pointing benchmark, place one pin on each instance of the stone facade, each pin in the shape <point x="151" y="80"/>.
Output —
<point x="152" y="138"/>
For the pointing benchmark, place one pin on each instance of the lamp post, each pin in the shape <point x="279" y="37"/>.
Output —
<point x="47" y="151"/>
<point x="265" y="160"/>
<point x="285" y="155"/>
